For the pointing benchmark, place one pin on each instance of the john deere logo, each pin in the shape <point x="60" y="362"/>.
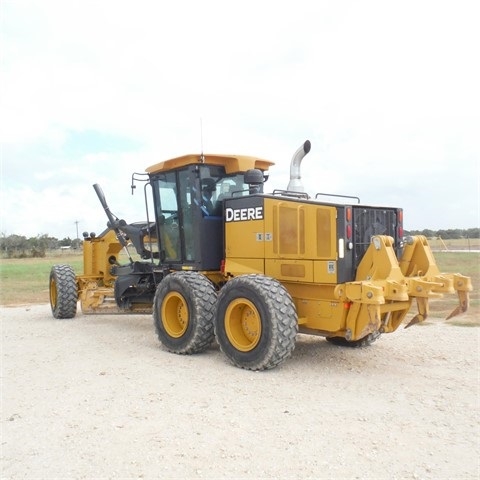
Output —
<point x="243" y="214"/>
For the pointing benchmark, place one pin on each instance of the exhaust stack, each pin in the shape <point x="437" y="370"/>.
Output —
<point x="295" y="184"/>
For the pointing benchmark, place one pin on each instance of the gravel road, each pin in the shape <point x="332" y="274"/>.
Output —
<point x="97" y="397"/>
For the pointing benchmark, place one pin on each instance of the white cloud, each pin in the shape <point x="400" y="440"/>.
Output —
<point x="387" y="93"/>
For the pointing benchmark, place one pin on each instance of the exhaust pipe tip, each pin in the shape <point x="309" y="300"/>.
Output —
<point x="295" y="184"/>
<point x="307" y="146"/>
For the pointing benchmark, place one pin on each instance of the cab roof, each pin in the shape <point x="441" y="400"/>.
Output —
<point x="232" y="163"/>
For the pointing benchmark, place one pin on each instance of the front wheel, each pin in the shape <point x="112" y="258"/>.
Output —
<point x="255" y="322"/>
<point x="183" y="311"/>
<point x="63" y="291"/>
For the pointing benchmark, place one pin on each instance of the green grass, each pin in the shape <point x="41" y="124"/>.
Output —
<point x="25" y="280"/>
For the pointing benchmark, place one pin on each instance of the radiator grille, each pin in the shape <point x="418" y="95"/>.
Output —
<point x="370" y="221"/>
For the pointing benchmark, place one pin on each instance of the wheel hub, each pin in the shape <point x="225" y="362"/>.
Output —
<point x="175" y="314"/>
<point x="243" y="324"/>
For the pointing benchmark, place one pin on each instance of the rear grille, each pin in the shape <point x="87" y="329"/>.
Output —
<point x="370" y="221"/>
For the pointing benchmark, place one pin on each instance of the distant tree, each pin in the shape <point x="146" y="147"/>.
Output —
<point x="76" y="243"/>
<point x="38" y="245"/>
<point x="66" y="242"/>
<point x="450" y="234"/>
<point x="19" y="246"/>
<point x="428" y="233"/>
<point x="472" y="233"/>
<point x="14" y="246"/>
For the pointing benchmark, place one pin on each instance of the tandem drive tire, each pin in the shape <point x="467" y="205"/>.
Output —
<point x="255" y="322"/>
<point x="183" y="311"/>
<point x="63" y="291"/>
<point x="366" y="341"/>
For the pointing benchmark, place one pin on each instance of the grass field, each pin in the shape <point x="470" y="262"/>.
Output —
<point x="466" y="244"/>
<point x="25" y="281"/>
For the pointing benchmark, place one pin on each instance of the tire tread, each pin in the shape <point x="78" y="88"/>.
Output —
<point x="67" y="291"/>
<point x="284" y="320"/>
<point x="203" y="297"/>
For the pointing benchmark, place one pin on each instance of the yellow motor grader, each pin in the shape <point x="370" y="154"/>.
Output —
<point x="217" y="258"/>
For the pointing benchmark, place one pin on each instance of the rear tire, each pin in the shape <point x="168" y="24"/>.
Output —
<point x="255" y="322"/>
<point x="183" y="310"/>
<point x="366" y="341"/>
<point x="63" y="291"/>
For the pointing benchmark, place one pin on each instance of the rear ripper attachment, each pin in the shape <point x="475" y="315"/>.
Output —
<point x="382" y="293"/>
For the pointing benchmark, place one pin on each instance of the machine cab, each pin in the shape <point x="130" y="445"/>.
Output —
<point x="188" y="194"/>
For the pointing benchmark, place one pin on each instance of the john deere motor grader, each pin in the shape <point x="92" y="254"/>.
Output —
<point x="219" y="258"/>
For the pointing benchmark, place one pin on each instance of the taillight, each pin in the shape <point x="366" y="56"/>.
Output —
<point x="348" y="228"/>
<point x="349" y="232"/>
<point x="400" y="224"/>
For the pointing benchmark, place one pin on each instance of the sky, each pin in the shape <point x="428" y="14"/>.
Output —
<point x="90" y="92"/>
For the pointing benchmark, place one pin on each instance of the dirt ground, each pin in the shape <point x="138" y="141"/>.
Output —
<point x="97" y="397"/>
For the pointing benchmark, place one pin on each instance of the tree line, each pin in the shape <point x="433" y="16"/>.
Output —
<point x="450" y="234"/>
<point x="19" y="246"/>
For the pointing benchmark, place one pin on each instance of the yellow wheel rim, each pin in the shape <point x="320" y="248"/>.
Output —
<point x="243" y="324"/>
<point x="53" y="293"/>
<point x="175" y="314"/>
